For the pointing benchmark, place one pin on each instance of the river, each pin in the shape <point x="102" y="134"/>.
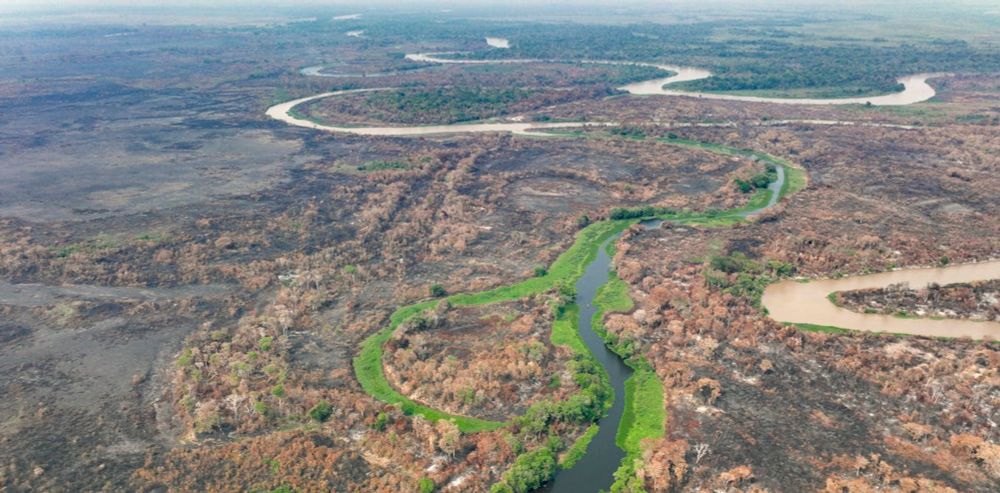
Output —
<point x="497" y="42"/>
<point x="806" y="302"/>
<point x="595" y="470"/>
<point x="916" y="89"/>
<point x="284" y="113"/>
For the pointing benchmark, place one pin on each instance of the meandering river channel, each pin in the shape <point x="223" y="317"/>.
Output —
<point x="787" y="301"/>
<point x="595" y="470"/>
<point x="806" y="302"/>
<point x="916" y="89"/>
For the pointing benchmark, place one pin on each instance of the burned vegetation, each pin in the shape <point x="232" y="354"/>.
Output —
<point x="185" y="284"/>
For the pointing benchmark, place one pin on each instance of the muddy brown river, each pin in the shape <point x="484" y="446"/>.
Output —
<point x="915" y="90"/>
<point x="806" y="302"/>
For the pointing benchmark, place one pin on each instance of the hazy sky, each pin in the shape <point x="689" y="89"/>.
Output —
<point x="468" y="3"/>
<point x="156" y="11"/>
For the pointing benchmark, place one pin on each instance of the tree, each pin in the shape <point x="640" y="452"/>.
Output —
<point x="425" y="485"/>
<point x="321" y="411"/>
<point x="700" y="451"/>
<point x="450" y="437"/>
<point x="530" y="470"/>
<point x="381" y="421"/>
<point x="437" y="291"/>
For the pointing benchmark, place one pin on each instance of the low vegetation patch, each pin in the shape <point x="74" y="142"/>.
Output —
<point x="758" y="181"/>
<point x="382" y="165"/>
<point x="741" y="276"/>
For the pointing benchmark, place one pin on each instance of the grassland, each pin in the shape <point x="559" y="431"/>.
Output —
<point x="828" y="329"/>
<point x="644" y="412"/>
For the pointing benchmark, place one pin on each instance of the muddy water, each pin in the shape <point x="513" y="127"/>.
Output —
<point x="915" y="87"/>
<point x="497" y="42"/>
<point x="322" y="71"/>
<point x="915" y="90"/>
<point x="791" y="301"/>
<point x="654" y="86"/>
<point x="283" y="112"/>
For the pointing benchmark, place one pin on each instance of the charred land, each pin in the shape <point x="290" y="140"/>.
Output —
<point x="186" y="285"/>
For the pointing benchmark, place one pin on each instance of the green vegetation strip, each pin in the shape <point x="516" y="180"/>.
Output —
<point x="644" y="413"/>
<point x="579" y="448"/>
<point x="565" y="331"/>
<point x="565" y="271"/>
<point x="828" y="329"/>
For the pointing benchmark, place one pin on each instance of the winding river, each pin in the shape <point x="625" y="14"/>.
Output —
<point x="916" y="89"/>
<point x="806" y="302"/>
<point x="786" y="301"/>
<point x="595" y="470"/>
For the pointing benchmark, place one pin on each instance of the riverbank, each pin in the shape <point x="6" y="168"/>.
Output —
<point x="808" y="303"/>
<point x="916" y="89"/>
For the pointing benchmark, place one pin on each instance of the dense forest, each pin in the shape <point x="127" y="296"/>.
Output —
<point x="450" y="104"/>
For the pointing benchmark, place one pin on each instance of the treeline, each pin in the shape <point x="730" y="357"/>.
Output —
<point x="773" y="60"/>
<point x="759" y="181"/>
<point x="460" y="104"/>
<point x="769" y="57"/>
<point x="639" y="212"/>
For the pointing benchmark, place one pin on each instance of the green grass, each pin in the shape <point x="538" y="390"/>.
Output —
<point x="295" y="112"/>
<point x="579" y="448"/>
<point x="565" y="330"/>
<point x="795" y="179"/>
<point x="98" y="243"/>
<point x="382" y="165"/>
<point x="644" y="413"/>
<point x="613" y="296"/>
<point x="828" y="329"/>
<point x="565" y="271"/>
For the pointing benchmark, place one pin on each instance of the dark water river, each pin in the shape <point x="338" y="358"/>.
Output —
<point x="595" y="470"/>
